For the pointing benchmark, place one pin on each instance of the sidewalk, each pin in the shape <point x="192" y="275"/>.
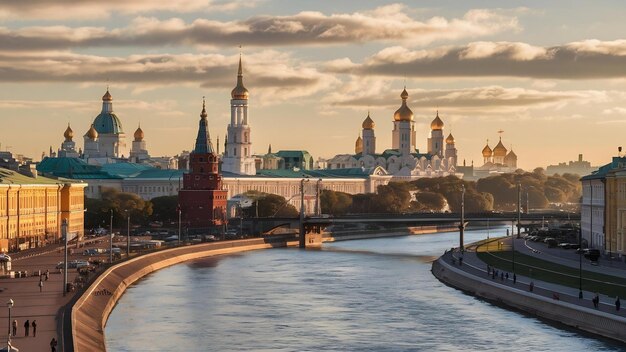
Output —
<point x="474" y="266"/>
<point x="29" y="303"/>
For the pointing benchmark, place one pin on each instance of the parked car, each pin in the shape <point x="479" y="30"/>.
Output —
<point x="592" y="254"/>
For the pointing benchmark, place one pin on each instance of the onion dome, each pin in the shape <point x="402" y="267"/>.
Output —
<point x="239" y="92"/>
<point x="358" y="145"/>
<point x="487" y="152"/>
<point x="107" y="96"/>
<point x="437" y="124"/>
<point x="511" y="155"/>
<point x="138" y="134"/>
<point x="450" y="139"/>
<point x="368" y="123"/>
<point x="500" y="149"/>
<point x="404" y="113"/>
<point x="68" y="134"/>
<point x="92" y="133"/>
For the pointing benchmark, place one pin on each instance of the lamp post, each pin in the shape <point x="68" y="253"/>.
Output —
<point x="519" y="208"/>
<point x="127" y="233"/>
<point x="462" y="225"/>
<point x="64" y="233"/>
<point x="302" y="242"/>
<point x="580" y="263"/>
<point x="9" y="305"/>
<point x="111" y="239"/>
<point x="179" y="223"/>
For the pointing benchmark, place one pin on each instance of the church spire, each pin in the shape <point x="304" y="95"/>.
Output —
<point x="240" y="92"/>
<point x="203" y="141"/>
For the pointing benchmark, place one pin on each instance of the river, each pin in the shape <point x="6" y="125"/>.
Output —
<point x="364" y="295"/>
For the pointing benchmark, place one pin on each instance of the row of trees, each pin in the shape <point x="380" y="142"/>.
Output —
<point x="498" y="192"/>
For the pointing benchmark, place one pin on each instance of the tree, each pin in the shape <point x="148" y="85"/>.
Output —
<point x="429" y="201"/>
<point x="165" y="209"/>
<point x="269" y="205"/>
<point x="335" y="203"/>
<point x="393" y="198"/>
<point x="125" y="204"/>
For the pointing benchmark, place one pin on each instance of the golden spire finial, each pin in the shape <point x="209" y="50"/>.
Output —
<point x="203" y="114"/>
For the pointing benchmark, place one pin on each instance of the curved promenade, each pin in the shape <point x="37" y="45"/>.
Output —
<point x="545" y="301"/>
<point x="91" y="311"/>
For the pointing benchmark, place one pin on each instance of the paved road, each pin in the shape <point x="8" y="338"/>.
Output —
<point x="30" y="303"/>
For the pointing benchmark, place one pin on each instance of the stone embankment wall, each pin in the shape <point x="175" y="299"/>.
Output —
<point x="360" y="234"/>
<point x="91" y="311"/>
<point x="582" y="318"/>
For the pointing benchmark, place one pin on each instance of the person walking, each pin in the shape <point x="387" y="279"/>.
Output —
<point x="34" y="325"/>
<point x="596" y="301"/>
<point x="47" y="274"/>
<point x="40" y="285"/>
<point x="531" y="286"/>
<point x="514" y="279"/>
<point x="26" y="327"/>
<point x="53" y="345"/>
<point x="618" y="304"/>
<point x="14" y="328"/>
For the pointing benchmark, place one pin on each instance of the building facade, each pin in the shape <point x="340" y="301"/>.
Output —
<point x="33" y="209"/>
<point x="203" y="200"/>
<point x="237" y="157"/>
<point x="578" y="167"/>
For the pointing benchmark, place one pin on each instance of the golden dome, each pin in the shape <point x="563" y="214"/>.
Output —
<point x="107" y="96"/>
<point x="68" y="134"/>
<point x="368" y="123"/>
<point x="450" y="139"/>
<point x="500" y="149"/>
<point x="511" y="155"/>
<point x="404" y="113"/>
<point x="138" y="134"/>
<point x="239" y="92"/>
<point x="487" y="152"/>
<point x="437" y="124"/>
<point x="92" y="133"/>
<point x="358" y="145"/>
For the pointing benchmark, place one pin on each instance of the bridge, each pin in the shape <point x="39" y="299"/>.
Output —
<point x="314" y="224"/>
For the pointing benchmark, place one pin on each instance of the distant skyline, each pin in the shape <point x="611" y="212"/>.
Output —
<point x="551" y="76"/>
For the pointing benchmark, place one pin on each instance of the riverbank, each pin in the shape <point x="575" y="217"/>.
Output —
<point x="547" y="301"/>
<point x="91" y="311"/>
<point x="361" y="234"/>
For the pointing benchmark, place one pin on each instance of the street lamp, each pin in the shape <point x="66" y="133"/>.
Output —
<point x="10" y="305"/>
<point x="302" y="243"/>
<point x="127" y="233"/>
<point x="462" y="225"/>
<point x="179" y="225"/>
<point x="580" y="262"/>
<point x="111" y="239"/>
<point x="64" y="232"/>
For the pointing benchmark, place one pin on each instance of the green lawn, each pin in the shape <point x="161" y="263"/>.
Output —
<point x="555" y="273"/>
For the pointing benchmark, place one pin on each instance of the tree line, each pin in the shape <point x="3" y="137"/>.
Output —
<point x="497" y="192"/>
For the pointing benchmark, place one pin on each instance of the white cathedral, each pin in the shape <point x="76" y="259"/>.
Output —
<point x="403" y="160"/>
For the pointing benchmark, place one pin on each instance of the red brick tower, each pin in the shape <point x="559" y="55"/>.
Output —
<point x="202" y="199"/>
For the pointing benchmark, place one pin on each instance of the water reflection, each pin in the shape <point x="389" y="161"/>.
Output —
<point x="370" y="295"/>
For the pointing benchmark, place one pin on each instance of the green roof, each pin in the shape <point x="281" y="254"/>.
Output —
<point x="617" y="162"/>
<point x="12" y="177"/>
<point x="125" y="169"/>
<point x="355" y="172"/>
<point x="160" y="174"/>
<point x="72" y="168"/>
<point x="293" y="154"/>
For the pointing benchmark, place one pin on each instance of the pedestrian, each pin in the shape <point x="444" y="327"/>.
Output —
<point x="53" y="345"/>
<point x="47" y="274"/>
<point x="618" y="304"/>
<point x="596" y="301"/>
<point x="502" y="276"/>
<point x="461" y="261"/>
<point x="531" y="286"/>
<point x="34" y="325"/>
<point x="40" y="285"/>
<point x="488" y="270"/>
<point x="26" y="327"/>
<point x="506" y="276"/>
<point x="493" y="274"/>
<point x="514" y="279"/>
<point x="14" y="328"/>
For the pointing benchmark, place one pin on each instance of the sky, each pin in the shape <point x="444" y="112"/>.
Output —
<point x="550" y="75"/>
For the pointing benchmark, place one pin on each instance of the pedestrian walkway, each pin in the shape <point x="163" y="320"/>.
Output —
<point x="471" y="264"/>
<point x="31" y="304"/>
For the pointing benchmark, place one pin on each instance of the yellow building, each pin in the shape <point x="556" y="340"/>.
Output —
<point x="615" y="211"/>
<point x="32" y="210"/>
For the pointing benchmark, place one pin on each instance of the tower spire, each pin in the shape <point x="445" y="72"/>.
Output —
<point x="203" y="141"/>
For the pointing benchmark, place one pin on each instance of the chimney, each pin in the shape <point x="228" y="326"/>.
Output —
<point x="619" y="151"/>
<point x="580" y="157"/>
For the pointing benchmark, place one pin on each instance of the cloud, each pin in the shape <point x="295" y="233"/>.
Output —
<point x="267" y="72"/>
<point x="489" y="99"/>
<point x="92" y="9"/>
<point x="589" y="59"/>
<point x="387" y="23"/>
